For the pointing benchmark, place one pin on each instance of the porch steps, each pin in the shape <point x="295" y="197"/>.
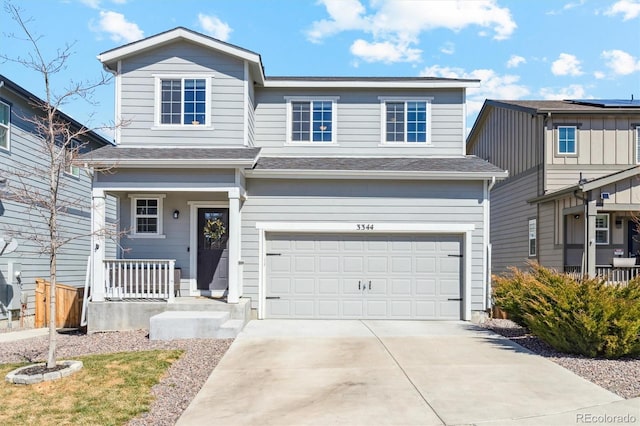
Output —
<point x="172" y="325"/>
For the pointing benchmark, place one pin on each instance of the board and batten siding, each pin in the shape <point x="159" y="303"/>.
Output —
<point x="226" y="100"/>
<point x="362" y="201"/>
<point x="510" y="214"/>
<point x="605" y="144"/>
<point x="358" y="123"/>
<point x="509" y="139"/>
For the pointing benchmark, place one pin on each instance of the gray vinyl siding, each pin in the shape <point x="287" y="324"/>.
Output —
<point x="26" y="156"/>
<point x="175" y="244"/>
<point x="251" y="119"/>
<point x="512" y="140"/>
<point x="510" y="214"/>
<point x="138" y="103"/>
<point x="358" y="123"/>
<point x="550" y="253"/>
<point x="605" y="144"/>
<point x="361" y="201"/>
<point x="165" y="177"/>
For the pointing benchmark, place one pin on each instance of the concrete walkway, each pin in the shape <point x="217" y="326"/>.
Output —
<point x="12" y="336"/>
<point x="291" y="372"/>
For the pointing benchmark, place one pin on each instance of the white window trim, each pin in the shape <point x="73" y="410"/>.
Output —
<point x="72" y="170"/>
<point x="134" y="198"/>
<point x="383" y="119"/>
<point x="637" y="132"/>
<point x="533" y="236"/>
<point x="334" y="117"/>
<point x="575" y="145"/>
<point x="208" y="77"/>
<point x="608" y="229"/>
<point x="8" y="127"/>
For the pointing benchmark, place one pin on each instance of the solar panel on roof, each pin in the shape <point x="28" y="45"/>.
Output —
<point x="609" y="103"/>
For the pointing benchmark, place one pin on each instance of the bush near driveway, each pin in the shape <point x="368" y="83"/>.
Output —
<point x="586" y="317"/>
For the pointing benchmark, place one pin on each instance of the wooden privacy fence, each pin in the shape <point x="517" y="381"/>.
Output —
<point x="68" y="305"/>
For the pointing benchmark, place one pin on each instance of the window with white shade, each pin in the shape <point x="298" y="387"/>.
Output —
<point x="532" y="237"/>
<point x="5" y="120"/>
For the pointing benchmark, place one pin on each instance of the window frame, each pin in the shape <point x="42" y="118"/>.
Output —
<point x="405" y="99"/>
<point x="134" y="216"/>
<point x="533" y="237"/>
<point x="575" y="139"/>
<point x="7" y="126"/>
<point x="290" y="100"/>
<point x="637" y="132"/>
<point x="159" y="78"/>
<point x="606" y="229"/>
<point x="71" y="169"/>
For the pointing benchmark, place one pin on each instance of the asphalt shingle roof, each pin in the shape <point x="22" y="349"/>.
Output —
<point x="560" y="106"/>
<point x="468" y="164"/>
<point x="122" y="153"/>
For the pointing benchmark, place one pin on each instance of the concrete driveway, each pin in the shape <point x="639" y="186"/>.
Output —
<point x="297" y="372"/>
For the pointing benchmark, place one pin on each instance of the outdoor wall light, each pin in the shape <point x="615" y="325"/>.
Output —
<point x="576" y="216"/>
<point x="176" y="214"/>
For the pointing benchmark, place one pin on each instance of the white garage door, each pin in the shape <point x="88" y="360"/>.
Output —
<point x="355" y="276"/>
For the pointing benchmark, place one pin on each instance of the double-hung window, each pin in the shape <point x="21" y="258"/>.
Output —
<point x="183" y="101"/>
<point x="311" y="120"/>
<point x="5" y="120"/>
<point x="532" y="237"/>
<point x="72" y="154"/>
<point x="406" y="120"/>
<point x="567" y="143"/>
<point x="146" y="215"/>
<point x="638" y="144"/>
<point x="602" y="229"/>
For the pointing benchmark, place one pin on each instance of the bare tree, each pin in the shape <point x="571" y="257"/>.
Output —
<point x="61" y="142"/>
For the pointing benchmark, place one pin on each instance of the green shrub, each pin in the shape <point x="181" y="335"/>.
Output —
<point x="587" y="317"/>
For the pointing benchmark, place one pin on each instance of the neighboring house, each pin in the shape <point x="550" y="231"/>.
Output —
<point x="20" y="149"/>
<point x="314" y="197"/>
<point x="573" y="193"/>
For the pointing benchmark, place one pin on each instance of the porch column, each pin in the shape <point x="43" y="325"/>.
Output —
<point x="234" y="246"/>
<point x="98" y="214"/>
<point x="590" y="238"/>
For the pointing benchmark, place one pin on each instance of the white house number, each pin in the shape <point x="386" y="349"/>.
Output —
<point x="364" y="227"/>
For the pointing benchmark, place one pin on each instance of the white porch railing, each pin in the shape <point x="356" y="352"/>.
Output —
<point x="610" y="273"/>
<point x="140" y="279"/>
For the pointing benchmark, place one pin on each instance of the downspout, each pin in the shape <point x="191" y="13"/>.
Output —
<point x="488" y="253"/>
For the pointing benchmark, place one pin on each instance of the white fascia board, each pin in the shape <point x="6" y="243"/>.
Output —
<point x="377" y="174"/>
<point x="383" y="227"/>
<point x="371" y="84"/>
<point x="180" y="33"/>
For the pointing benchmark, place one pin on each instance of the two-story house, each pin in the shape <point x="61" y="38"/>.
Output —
<point x="305" y="197"/>
<point x="22" y="259"/>
<point x="573" y="194"/>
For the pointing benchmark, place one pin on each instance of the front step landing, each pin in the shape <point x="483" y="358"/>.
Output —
<point x="172" y="325"/>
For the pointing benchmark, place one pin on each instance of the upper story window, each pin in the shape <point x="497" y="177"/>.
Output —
<point x="311" y="120"/>
<point x="533" y="232"/>
<point x="567" y="143"/>
<point x="406" y="120"/>
<point x="183" y="101"/>
<point x="5" y="122"/>
<point x="72" y="153"/>
<point x="638" y="145"/>
<point x="146" y="215"/>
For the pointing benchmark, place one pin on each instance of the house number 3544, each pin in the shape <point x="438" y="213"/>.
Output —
<point x="364" y="226"/>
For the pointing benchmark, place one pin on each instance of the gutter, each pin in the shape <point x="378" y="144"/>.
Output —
<point x="372" y="174"/>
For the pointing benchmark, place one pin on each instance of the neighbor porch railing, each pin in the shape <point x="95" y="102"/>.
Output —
<point x="140" y="279"/>
<point x="609" y="273"/>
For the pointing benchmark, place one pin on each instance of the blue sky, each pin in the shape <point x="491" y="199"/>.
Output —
<point x="543" y="49"/>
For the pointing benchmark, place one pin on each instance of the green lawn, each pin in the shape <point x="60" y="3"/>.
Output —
<point x="111" y="389"/>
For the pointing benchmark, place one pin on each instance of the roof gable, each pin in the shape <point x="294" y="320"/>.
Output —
<point x="111" y="57"/>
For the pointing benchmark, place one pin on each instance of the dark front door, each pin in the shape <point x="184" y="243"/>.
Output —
<point x="633" y="240"/>
<point x="213" y="258"/>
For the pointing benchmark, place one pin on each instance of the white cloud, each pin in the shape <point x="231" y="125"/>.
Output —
<point x="492" y="85"/>
<point x="629" y="9"/>
<point x="566" y="64"/>
<point x="93" y="4"/>
<point x="599" y="75"/>
<point x="515" y="61"/>
<point x="567" y="6"/>
<point x="213" y="26"/>
<point x="387" y="52"/>
<point x="401" y="22"/>
<point x="118" y="27"/>
<point x="448" y="48"/>
<point x="573" y="91"/>
<point x="620" y="62"/>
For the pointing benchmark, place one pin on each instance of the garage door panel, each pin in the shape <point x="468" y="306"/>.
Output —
<point x="318" y="276"/>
